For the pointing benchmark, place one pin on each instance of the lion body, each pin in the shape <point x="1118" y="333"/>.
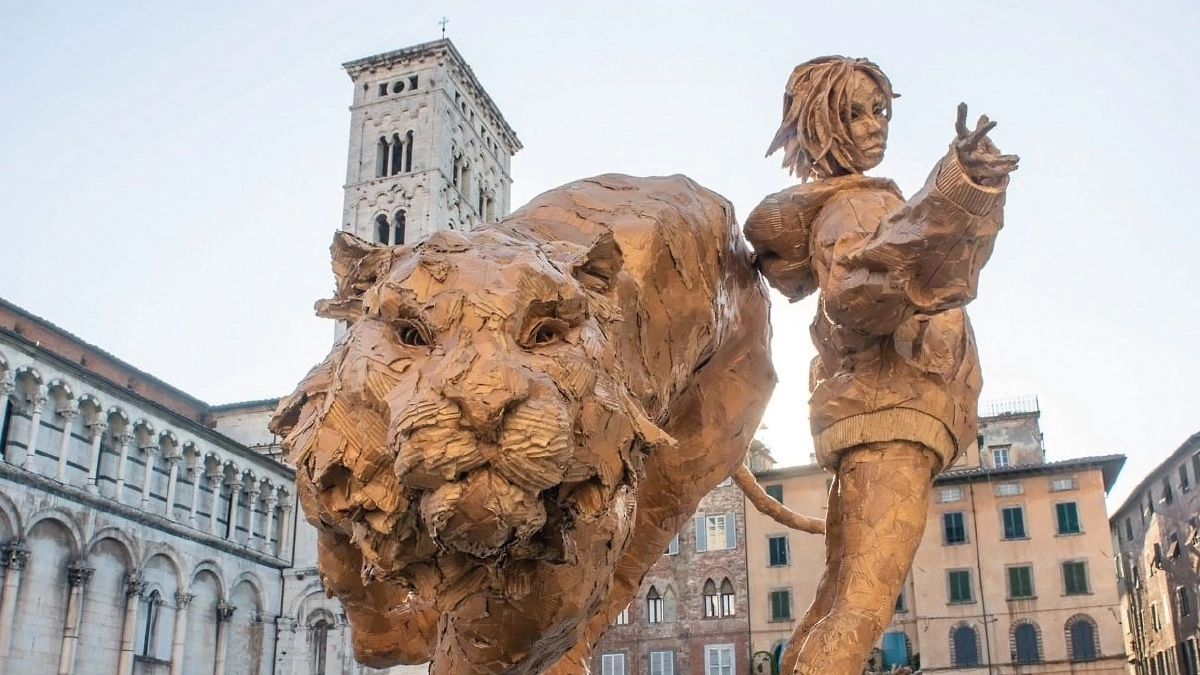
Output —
<point x="519" y="419"/>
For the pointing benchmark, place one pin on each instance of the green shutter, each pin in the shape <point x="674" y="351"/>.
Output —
<point x="701" y="534"/>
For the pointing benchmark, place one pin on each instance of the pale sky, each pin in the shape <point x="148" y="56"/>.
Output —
<point x="171" y="173"/>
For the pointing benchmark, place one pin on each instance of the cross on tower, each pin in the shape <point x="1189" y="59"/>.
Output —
<point x="443" y="23"/>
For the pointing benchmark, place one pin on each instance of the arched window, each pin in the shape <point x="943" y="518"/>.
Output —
<point x="408" y="148"/>
<point x="712" y="604"/>
<point x="150" y="607"/>
<point x="670" y="606"/>
<point x="964" y="646"/>
<point x="397" y="162"/>
<point x="727" y="600"/>
<point x="381" y="229"/>
<point x="398" y="228"/>
<point x="654" y="606"/>
<point x="381" y="157"/>
<point x="1026" y="645"/>
<point x="1082" y="640"/>
<point x="318" y="645"/>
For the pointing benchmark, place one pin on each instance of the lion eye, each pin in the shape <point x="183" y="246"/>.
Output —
<point x="546" y="331"/>
<point x="411" y="334"/>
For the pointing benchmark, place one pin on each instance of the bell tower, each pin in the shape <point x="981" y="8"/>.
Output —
<point x="429" y="149"/>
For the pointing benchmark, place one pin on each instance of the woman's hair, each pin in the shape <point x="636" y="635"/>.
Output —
<point x="815" y="129"/>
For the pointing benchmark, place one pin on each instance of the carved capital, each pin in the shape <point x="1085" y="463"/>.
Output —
<point x="225" y="611"/>
<point x="97" y="428"/>
<point x="36" y="401"/>
<point x="16" y="554"/>
<point x="134" y="584"/>
<point x="173" y="459"/>
<point x="79" y="574"/>
<point x="123" y="440"/>
<point x="68" y="413"/>
<point x="6" y="387"/>
<point x="150" y="449"/>
<point x="182" y="599"/>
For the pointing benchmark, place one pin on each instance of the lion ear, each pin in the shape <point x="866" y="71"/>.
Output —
<point x="597" y="268"/>
<point x="357" y="265"/>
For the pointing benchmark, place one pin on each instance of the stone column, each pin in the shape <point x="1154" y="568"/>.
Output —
<point x="15" y="557"/>
<point x="197" y="475"/>
<point x="123" y="440"/>
<point x="214" y="480"/>
<point x="235" y="487"/>
<point x="252" y="499"/>
<point x="172" y="479"/>
<point x="68" y="414"/>
<point x="135" y="585"/>
<point x="224" y="614"/>
<point x="77" y="575"/>
<point x="35" y="423"/>
<point x="98" y="427"/>
<point x="285" y="529"/>
<point x="148" y="473"/>
<point x="182" y="602"/>
<point x="285" y="636"/>
<point x="272" y="522"/>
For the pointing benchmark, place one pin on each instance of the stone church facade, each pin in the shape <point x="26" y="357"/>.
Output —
<point x="146" y="532"/>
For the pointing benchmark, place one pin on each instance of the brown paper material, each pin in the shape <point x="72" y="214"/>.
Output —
<point x="520" y="418"/>
<point x="896" y="380"/>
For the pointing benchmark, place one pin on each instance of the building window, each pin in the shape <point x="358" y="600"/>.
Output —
<point x="1000" y="456"/>
<point x="895" y="649"/>
<point x="1154" y="622"/>
<point x="382" y="151"/>
<point x="622" y="618"/>
<point x="1075" y="580"/>
<point x="1128" y="529"/>
<point x="1167" y="496"/>
<point x="1196" y="465"/>
<point x="781" y="605"/>
<point x="1026" y="644"/>
<point x="1082" y="640"/>
<point x="1184" y="483"/>
<point x="381" y="229"/>
<point x="1060" y="484"/>
<point x="673" y="547"/>
<point x="1182" y="602"/>
<point x="662" y="663"/>
<point x="712" y="603"/>
<point x="718" y="660"/>
<point x="383" y="89"/>
<point x="1008" y="489"/>
<point x="612" y="663"/>
<point x="775" y="492"/>
<point x="152" y="611"/>
<point x="964" y="646"/>
<point x="1020" y="582"/>
<point x="959" y="583"/>
<point x="1173" y="546"/>
<point x="954" y="528"/>
<point x="716" y="533"/>
<point x="1014" y="522"/>
<point x="901" y="603"/>
<point x="670" y="606"/>
<point x="728" y="601"/>
<point x="950" y="494"/>
<point x="1067" y="518"/>
<point x="777" y="550"/>
<point x="398" y="228"/>
<point x="320" y="646"/>
<point x="654" y="606"/>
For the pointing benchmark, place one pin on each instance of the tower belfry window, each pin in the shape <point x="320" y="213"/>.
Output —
<point x="408" y="149"/>
<point x="381" y="229"/>
<point x="381" y="157"/>
<point x="412" y="82"/>
<point x="397" y="155"/>
<point x="398" y="228"/>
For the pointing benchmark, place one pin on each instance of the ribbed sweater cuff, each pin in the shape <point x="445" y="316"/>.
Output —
<point x="954" y="184"/>
<point x="893" y="424"/>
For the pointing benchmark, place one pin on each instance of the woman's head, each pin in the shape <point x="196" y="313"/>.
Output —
<point x="835" y="117"/>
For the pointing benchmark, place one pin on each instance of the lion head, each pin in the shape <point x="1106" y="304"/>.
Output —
<point x="470" y="434"/>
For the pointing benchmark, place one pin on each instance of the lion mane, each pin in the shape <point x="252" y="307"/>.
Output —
<point x="518" y="419"/>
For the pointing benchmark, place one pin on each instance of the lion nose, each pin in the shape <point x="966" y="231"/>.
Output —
<point x="483" y="396"/>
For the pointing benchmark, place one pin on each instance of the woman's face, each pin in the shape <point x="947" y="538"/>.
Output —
<point x="868" y="123"/>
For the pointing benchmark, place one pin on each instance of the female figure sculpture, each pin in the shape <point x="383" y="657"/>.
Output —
<point x="896" y="379"/>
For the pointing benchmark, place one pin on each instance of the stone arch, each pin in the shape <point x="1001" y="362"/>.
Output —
<point x="312" y="589"/>
<point x="52" y="541"/>
<point x="118" y="420"/>
<point x="122" y="537"/>
<point x="28" y="383"/>
<point x="207" y="586"/>
<point x="255" y="583"/>
<point x="1083" y="638"/>
<point x="11" y="527"/>
<point x="64" y="518"/>
<point x="1025" y="641"/>
<point x="91" y="408"/>
<point x="210" y="566"/>
<point x="245" y="626"/>
<point x="60" y="392"/>
<point x="163" y="551"/>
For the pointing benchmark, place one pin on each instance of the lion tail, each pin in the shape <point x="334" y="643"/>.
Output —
<point x="769" y="507"/>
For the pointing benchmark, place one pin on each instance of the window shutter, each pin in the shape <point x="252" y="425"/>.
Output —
<point x="701" y="535"/>
<point x="730" y="530"/>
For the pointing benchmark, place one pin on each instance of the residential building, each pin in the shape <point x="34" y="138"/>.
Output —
<point x="1012" y="575"/>
<point x="690" y="615"/>
<point x="1156" y="532"/>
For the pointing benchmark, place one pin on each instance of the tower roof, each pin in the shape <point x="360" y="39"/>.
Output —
<point x="441" y="48"/>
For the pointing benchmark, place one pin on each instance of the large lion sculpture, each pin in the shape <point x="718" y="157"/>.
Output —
<point x="518" y="419"/>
